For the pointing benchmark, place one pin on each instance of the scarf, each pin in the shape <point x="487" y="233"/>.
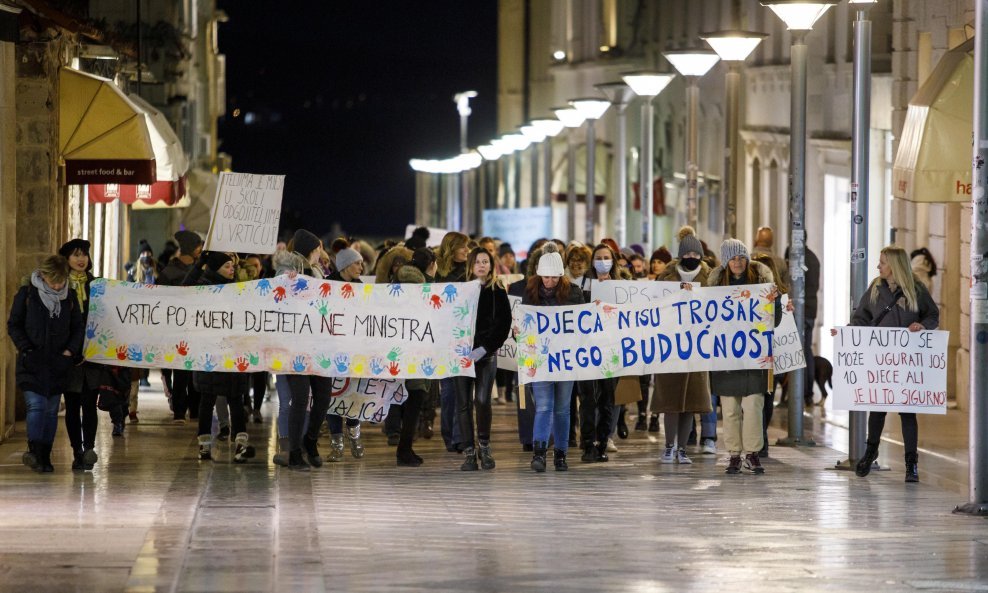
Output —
<point x="547" y="294"/>
<point x="687" y="276"/>
<point x="51" y="299"/>
<point x="77" y="282"/>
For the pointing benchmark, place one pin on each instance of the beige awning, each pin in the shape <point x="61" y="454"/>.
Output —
<point x="103" y="136"/>
<point x="933" y="163"/>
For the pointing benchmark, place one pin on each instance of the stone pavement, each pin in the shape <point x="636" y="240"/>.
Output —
<point x="153" y="518"/>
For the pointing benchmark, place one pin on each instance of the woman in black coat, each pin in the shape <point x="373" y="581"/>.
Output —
<point x="219" y="269"/>
<point x="47" y="328"/>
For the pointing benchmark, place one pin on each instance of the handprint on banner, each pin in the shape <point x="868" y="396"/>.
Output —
<point x="182" y="348"/>
<point x="277" y="364"/>
<point x="150" y="354"/>
<point x="240" y="287"/>
<point x="97" y="288"/>
<point x="279" y="294"/>
<point x="412" y="369"/>
<point x="216" y="288"/>
<point x="121" y="352"/>
<point x="263" y="287"/>
<point x="188" y="363"/>
<point x="299" y="365"/>
<point x="609" y="311"/>
<point x="428" y="367"/>
<point x="342" y="362"/>
<point x="347" y="291"/>
<point x="242" y="364"/>
<point x="169" y="357"/>
<point x="324" y="361"/>
<point x="426" y="290"/>
<point x="545" y="346"/>
<point x="450" y="292"/>
<point x="104" y="338"/>
<point x="465" y="362"/>
<point x="376" y="366"/>
<point x="300" y="285"/>
<point x="395" y="289"/>
<point x="358" y="365"/>
<point x="254" y="358"/>
<point x="528" y="321"/>
<point x="394" y="369"/>
<point x="92" y="349"/>
<point x="454" y="368"/>
<point x="462" y="312"/>
<point x="91" y="330"/>
<point x="322" y="307"/>
<point x="461" y="332"/>
<point x="325" y="289"/>
<point x="436" y="302"/>
<point x="368" y="291"/>
<point x="228" y="362"/>
<point x="395" y="354"/>
<point x="208" y="364"/>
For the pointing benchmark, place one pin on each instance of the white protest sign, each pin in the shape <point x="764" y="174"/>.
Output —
<point x="787" y="343"/>
<point x="435" y="235"/>
<point x="246" y="213"/>
<point x="713" y="329"/>
<point x="366" y="400"/>
<point x="518" y="226"/>
<point x="507" y="354"/>
<point x="634" y="292"/>
<point x="297" y="325"/>
<point x="887" y="369"/>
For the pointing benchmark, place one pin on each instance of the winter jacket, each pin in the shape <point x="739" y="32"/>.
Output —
<point x="867" y="312"/>
<point x="493" y="319"/>
<point x="457" y="273"/>
<point x="409" y="274"/>
<point x="219" y="382"/>
<point x="285" y="261"/>
<point x="682" y="392"/>
<point x="41" y="339"/>
<point x="174" y="273"/>
<point x="87" y="375"/>
<point x="742" y="382"/>
<point x="575" y="297"/>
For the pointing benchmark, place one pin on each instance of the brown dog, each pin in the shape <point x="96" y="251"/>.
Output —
<point x="823" y="373"/>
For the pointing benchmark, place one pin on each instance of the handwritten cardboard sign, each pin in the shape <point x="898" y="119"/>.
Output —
<point x="634" y="292"/>
<point x="886" y="369"/>
<point x="507" y="354"/>
<point x="787" y="343"/>
<point x="246" y="213"/>
<point x="366" y="400"/>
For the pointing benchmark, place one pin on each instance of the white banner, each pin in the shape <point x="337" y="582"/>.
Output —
<point x="366" y="400"/>
<point x="246" y="213"/>
<point x="294" y="325"/>
<point x="633" y="292"/>
<point x="787" y="351"/>
<point x="886" y="369"/>
<point x="507" y="354"/>
<point x="718" y="328"/>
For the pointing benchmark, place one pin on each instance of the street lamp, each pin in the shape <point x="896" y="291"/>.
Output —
<point x="591" y="109"/>
<point x="535" y="135"/>
<point x="799" y="16"/>
<point x="733" y="46"/>
<point x="647" y="85"/>
<point x="551" y="128"/>
<point x="571" y="119"/>
<point x="620" y="94"/>
<point x="692" y="64"/>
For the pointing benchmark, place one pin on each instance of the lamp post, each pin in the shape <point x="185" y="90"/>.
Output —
<point x="692" y="64"/>
<point x="799" y="16"/>
<point x="462" y="101"/>
<point x="571" y="119"/>
<point x="535" y="135"/>
<point x="978" y="418"/>
<point x="492" y="155"/>
<point x="592" y="110"/>
<point x="551" y="128"/>
<point x="517" y="142"/>
<point x="647" y="85"/>
<point x="620" y="94"/>
<point x="733" y="46"/>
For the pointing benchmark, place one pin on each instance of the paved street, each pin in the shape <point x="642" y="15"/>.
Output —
<point x="153" y="518"/>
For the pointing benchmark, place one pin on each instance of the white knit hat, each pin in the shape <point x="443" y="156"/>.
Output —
<point x="550" y="263"/>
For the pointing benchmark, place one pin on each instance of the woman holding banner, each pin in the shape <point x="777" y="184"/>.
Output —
<point x="741" y="393"/>
<point x="895" y="299"/>
<point x="451" y="266"/>
<point x="679" y="396"/>
<point x="549" y="287"/>
<point x="491" y="330"/>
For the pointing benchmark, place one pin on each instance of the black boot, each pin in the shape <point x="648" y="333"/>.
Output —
<point x="77" y="463"/>
<point x="44" y="459"/>
<point x="30" y="457"/>
<point x="641" y="423"/>
<point x="408" y="458"/>
<point x="470" y="460"/>
<point x="486" y="456"/>
<point x="559" y="460"/>
<point x="312" y="451"/>
<point x="653" y="423"/>
<point x="864" y="465"/>
<point x="589" y="453"/>
<point x="538" y="459"/>
<point x="296" y="462"/>
<point x="912" y="468"/>
<point x="622" y="428"/>
<point x="600" y="453"/>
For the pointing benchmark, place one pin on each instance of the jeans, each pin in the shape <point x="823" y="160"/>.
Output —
<point x="235" y="401"/>
<point x="284" y="404"/>
<point x="447" y="413"/>
<point x="300" y="386"/>
<point x="81" y="418"/>
<point x="552" y="400"/>
<point x="708" y="421"/>
<point x="42" y="416"/>
<point x="472" y="391"/>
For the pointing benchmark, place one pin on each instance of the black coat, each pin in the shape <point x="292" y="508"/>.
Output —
<point x="493" y="319"/>
<point x="88" y="375"/>
<point x="174" y="273"/>
<point x="219" y="382"/>
<point x="41" y="339"/>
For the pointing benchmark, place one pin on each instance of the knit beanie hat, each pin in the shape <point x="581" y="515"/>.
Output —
<point x="551" y="263"/>
<point x="733" y="247"/>
<point x="188" y="241"/>
<point x="216" y="260"/>
<point x="305" y="242"/>
<point x="346" y="258"/>
<point x="689" y="243"/>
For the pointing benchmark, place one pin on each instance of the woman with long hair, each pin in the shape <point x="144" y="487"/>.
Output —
<point x="895" y="299"/>
<point x="550" y="287"/>
<point x="451" y="266"/>
<point x="491" y="330"/>
<point x="768" y="406"/>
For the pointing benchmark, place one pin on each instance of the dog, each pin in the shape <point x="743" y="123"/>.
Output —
<point x="823" y="373"/>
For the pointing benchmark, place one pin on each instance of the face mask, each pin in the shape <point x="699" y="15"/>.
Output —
<point x="689" y="263"/>
<point x="602" y="266"/>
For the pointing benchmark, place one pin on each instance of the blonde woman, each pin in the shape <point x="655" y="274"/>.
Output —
<point x="895" y="299"/>
<point x="493" y="325"/>
<point x="451" y="266"/>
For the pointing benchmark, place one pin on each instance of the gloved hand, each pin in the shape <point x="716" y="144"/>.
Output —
<point x="478" y="353"/>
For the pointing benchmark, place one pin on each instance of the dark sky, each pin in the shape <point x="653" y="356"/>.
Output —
<point x="344" y="92"/>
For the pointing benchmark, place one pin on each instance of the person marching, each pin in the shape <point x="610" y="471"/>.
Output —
<point x="895" y="299"/>
<point x="451" y="266"/>
<point x="185" y="398"/>
<point x="492" y="327"/>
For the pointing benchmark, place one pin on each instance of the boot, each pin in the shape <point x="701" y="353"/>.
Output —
<point x="589" y="453"/>
<point x="408" y="458"/>
<point x="205" y="446"/>
<point x="281" y="457"/>
<point x="89" y="458"/>
<point x="653" y="423"/>
<point x="243" y="451"/>
<point x="356" y="445"/>
<point x="538" y="459"/>
<point x="336" y="447"/>
<point x="296" y="462"/>
<point x="559" y="460"/>
<point x="77" y="463"/>
<point x="311" y="451"/>
<point x="642" y="422"/>
<point x="499" y="399"/>
<point x="30" y="457"/>
<point x="426" y="429"/>
<point x="470" y="460"/>
<point x="601" y="452"/>
<point x="622" y="428"/>
<point x="864" y="465"/>
<point x="912" y="468"/>
<point x="44" y="459"/>
<point x="486" y="458"/>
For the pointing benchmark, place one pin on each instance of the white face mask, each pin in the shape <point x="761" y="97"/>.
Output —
<point x="603" y="266"/>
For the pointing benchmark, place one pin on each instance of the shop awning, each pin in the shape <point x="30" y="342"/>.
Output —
<point x="159" y="193"/>
<point x="103" y="135"/>
<point x="933" y="163"/>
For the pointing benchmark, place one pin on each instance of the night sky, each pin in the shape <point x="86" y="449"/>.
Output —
<point x="340" y="94"/>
